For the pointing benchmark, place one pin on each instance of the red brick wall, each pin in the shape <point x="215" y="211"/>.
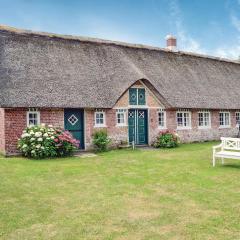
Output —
<point x="16" y="121"/>
<point x="196" y="134"/>
<point x="116" y="133"/>
<point x="53" y="117"/>
<point x="2" y="131"/>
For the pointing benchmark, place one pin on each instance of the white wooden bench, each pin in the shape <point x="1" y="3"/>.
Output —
<point x="229" y="148"/>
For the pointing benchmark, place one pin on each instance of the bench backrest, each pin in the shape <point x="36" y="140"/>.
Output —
<point x="230" y="143"/>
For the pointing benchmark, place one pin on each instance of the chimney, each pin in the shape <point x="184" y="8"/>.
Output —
<point x="171" y="42"/>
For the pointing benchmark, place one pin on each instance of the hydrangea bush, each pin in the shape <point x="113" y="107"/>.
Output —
<point x="167" y="139"/>
<point x="46" y="141"/>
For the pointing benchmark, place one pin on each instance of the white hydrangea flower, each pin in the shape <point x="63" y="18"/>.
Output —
<point x="40" y="139"/>
<point x="24" y="145"/>
<point x="52" y="137"/>
<point x="38" y="146"/>
<point x="25" y="135"/>
<point x="38" y="134"/>
<point x="45" y="135"/>
<point x="32" y="139"/>
<point x="42" y="147"/>
<point x="33" y="151"/>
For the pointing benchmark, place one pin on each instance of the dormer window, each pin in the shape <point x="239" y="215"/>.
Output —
<point x="137" y="96"/>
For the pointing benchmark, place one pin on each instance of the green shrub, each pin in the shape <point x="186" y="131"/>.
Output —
<point x="46" y="141"/>
<point x="166" y="139"/>
<point x="101" y="140"/>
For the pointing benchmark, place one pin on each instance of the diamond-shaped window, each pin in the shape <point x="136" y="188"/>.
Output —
<point x="73" y="119"/>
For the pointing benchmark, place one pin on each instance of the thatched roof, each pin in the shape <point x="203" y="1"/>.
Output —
<point x="49" y="70"/>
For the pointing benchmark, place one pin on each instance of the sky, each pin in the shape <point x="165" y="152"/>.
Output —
<point x="204" y="26"/>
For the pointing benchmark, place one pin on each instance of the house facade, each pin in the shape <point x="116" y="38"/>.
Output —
<point x="132" y="91"/>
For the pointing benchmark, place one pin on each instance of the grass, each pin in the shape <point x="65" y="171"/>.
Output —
<point x="141" y="194"/>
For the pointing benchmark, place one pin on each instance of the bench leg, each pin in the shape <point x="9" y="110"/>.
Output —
<point x="222" y="160"/>
<point x="214" y="161"/>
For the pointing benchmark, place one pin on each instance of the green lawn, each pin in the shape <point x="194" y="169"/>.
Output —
<point x="141" y="194"/>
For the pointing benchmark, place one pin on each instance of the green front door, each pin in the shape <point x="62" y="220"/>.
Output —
<point x="138" y="126"/>
<point x="74" y="123"/>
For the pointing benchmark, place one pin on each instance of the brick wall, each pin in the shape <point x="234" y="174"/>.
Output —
<point x="116" y="133"/>
<point x="2" y="131"/>
<point x="196" y="134"/>
<point x="16" y="121"/>
<point x="53" y="117"/>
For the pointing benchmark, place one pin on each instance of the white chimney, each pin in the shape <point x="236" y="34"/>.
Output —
<point x="171" y="43"/>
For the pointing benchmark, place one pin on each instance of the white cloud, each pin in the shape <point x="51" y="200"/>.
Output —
<point x="228" y="52"/>
<point x="186" y="42"/>
<point x="233" y="51"/>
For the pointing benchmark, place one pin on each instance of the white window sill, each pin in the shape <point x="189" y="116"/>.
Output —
<point x="137" y="106"/>
<point x="162" y="128"/>
<point x="222" y="127"/>
<point x="100" y="126"/>
<point x="184" y="128"/>
<point x="204" y="128"/>
<point x="121" y="125"/>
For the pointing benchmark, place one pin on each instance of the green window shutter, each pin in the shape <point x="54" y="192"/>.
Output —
<point x="133" y="96"/>
<point x="141" y="96"/>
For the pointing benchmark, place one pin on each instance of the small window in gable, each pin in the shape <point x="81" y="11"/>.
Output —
<point x="33" y="117"/>
<point x="100" y="118"/>
<point x="137" y="96"/>
<point x="121" y="117"/>
<point x="141" y="96"/>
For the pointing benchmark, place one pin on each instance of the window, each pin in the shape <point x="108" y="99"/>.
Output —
<point x="121" y="117"/>
<point x="33" y="117"/>
<point x="204" y="119"/>
<point x="183" y="119"/>
<point x="137" y="96"/>
<point x="224" y="119"/>
<point x="100" y="118"/>
<point x="161" y="118"/>
<point x="237" y="115"/>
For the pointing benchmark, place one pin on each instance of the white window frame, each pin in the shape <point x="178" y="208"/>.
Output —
<point x="184" y="111"/>
<point x="224" y="120"/>
<point x="33" y="111"/>
<point x="161" y="110"/>
<point x="95" y="119"/>
<point x="204" y="116"/>
<point x="237" y="117"/>
<point x="121" y="111"/>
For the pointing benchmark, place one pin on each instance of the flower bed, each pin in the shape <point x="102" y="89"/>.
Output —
<point x="166" y="139"/>
<point x="46" y="141"/>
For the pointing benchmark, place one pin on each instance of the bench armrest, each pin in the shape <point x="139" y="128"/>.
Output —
<point x="218" y="146"/>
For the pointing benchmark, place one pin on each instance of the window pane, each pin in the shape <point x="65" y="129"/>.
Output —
<point x="180" y="119"/>
<point x="227" y="120"/>
<point x="161" y="122"/>
<point x="32" y="119"/>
